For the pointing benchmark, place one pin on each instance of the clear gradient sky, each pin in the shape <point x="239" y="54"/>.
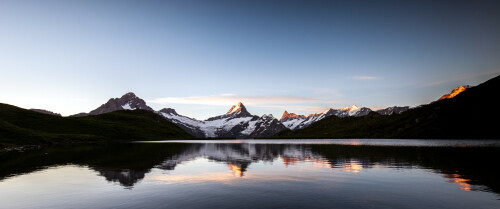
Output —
<point x="201" y="57"/>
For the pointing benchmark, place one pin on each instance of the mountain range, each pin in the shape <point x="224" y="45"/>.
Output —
<point x="237" y="122"/>
<point x="293" y="121"/>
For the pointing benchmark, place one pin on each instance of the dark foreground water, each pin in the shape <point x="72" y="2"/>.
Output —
<point x="255" y="174"/>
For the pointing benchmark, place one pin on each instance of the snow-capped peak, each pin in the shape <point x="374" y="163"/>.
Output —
<point x="236" y="108"/>
<point x="351" y="108"/>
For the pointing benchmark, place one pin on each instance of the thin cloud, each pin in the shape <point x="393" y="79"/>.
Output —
<point x="364" y="78"/>
<point x="228" y="99"/>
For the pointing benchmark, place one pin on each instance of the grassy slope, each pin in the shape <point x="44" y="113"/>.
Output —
<point x="471" y="114"/>
<point x="19" y="127"/>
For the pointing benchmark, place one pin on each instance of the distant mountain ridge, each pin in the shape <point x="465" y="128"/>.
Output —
<point x="393" y="110"/>
<point x="294" y="121"/>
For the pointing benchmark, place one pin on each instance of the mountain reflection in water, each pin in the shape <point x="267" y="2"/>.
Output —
<point x="128" y="164"/>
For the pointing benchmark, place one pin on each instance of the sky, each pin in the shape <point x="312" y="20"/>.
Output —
<point x="202" y="57"/>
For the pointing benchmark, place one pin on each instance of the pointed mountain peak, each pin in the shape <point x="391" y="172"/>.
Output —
<point x="237" y="108"/>
<point x="128" y="101"/>
<point x="285" y="115"/>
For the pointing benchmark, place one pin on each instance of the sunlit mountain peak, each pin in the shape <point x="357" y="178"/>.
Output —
<point x="454" y="92"/>
<point x="351" y="108"/>
<point x="287" y="115"/>
<point x="236" y="108"/>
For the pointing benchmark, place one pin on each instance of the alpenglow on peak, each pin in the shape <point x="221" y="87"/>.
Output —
<point x="236" y="108"/>
<point x="287" y="115"/>
<point x="455" y="92"/>
<point x="351" y="108"/>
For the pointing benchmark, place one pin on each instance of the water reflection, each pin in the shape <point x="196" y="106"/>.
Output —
<point x="352" y="167"/>
<point x="128" y="164"/>
<point x="125" y="177"/>
<point x="457" y="179"/>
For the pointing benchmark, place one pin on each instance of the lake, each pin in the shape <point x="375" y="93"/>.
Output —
<point x="364" y="173"/>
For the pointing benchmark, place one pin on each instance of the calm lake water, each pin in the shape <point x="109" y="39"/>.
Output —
<point x="255" y="174"/>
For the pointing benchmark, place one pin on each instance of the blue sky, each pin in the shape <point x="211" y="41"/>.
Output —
<point x="201" y="57"/>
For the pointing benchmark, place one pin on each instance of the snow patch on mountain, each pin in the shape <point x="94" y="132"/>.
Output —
<point x="127" y="107"/>
<point x="250" y="128"/>
<point x="293" y="123"/>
